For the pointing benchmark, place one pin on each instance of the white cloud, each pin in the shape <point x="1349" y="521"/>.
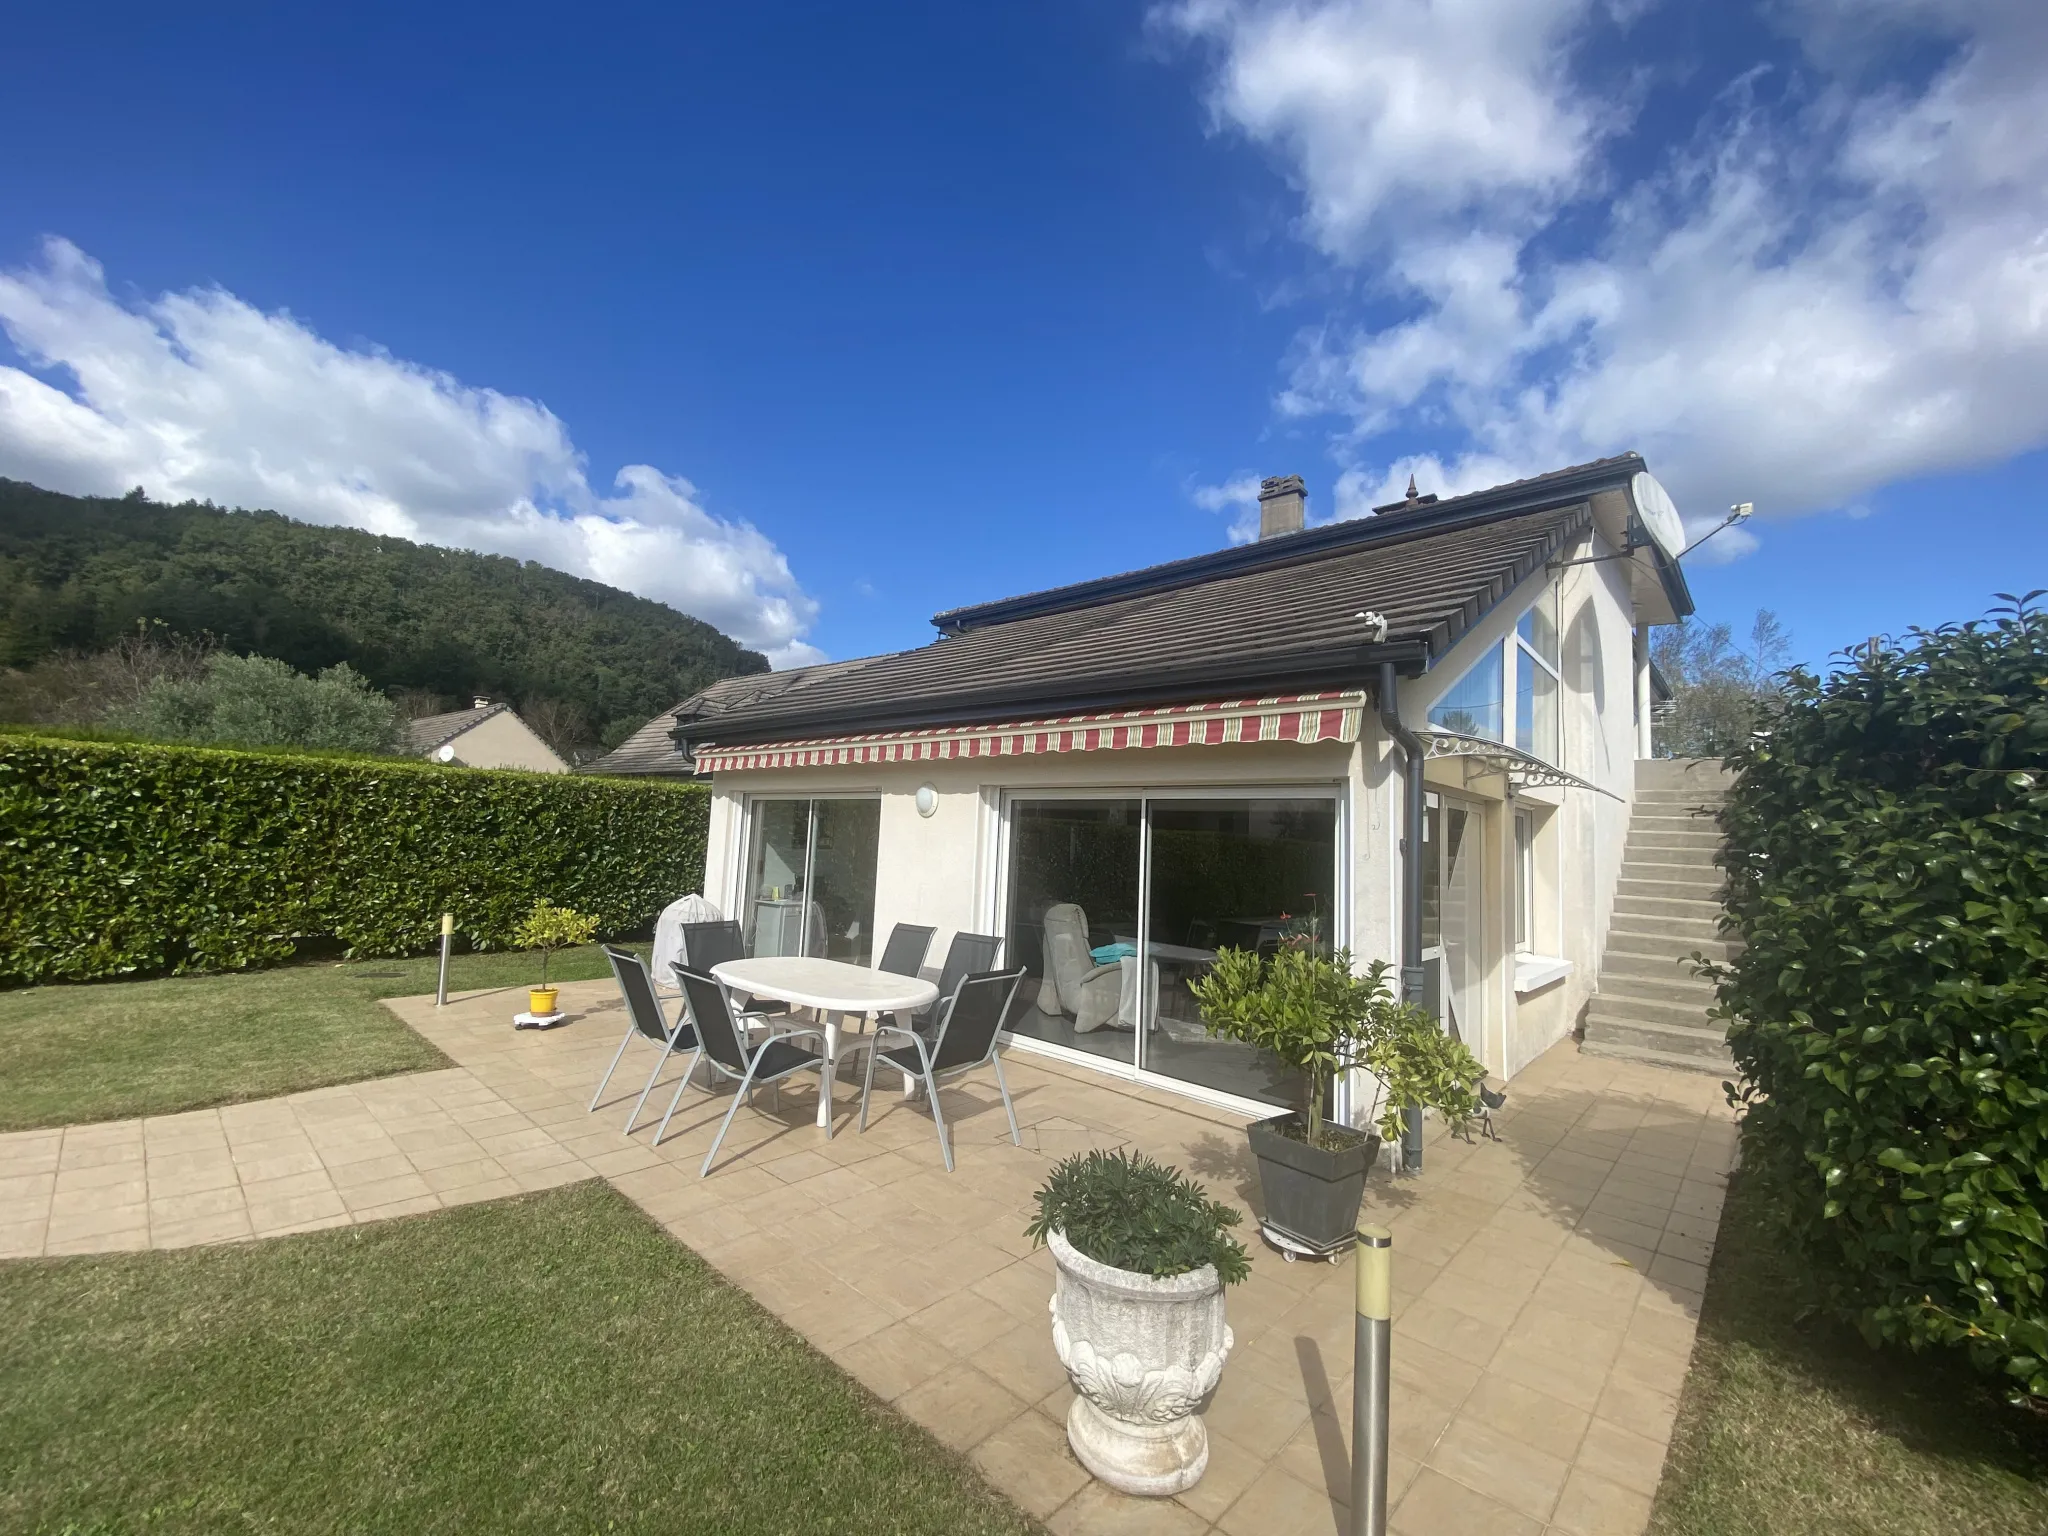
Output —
<point x="1240" y="498"/>
<point x="199" y="395"/>
<point x="1403" y="114"/>
<point x="1839" y="280"/>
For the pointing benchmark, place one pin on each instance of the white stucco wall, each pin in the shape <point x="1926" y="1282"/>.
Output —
<point x="505" y="741"/>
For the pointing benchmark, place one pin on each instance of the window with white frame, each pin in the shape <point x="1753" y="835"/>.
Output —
<point x="1510" y="694"/>
<point x="1536" y="679"/>
<point x="1525" y="882"/>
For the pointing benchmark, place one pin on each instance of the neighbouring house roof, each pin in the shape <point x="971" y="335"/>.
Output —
<point x="430" y="731"/>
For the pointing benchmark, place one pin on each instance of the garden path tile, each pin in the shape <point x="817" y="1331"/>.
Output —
<point x="1029" y="1461"/>
<point x="1594" y="1506"/>
<point x="1097" y="1510"/>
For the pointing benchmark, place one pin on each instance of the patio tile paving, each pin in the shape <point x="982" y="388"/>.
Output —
<point x="1546" y="1287"/>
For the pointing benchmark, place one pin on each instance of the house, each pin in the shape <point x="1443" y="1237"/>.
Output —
<point x="486" y="735"/>
<point x="1414" y="734"/>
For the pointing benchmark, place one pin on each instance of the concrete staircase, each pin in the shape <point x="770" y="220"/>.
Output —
<point x="1649" y="1006"/>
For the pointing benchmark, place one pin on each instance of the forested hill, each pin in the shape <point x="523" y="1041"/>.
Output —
<point x="76" y="573"/>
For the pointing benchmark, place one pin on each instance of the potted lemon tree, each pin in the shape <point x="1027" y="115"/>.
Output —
<point x="548" y="928"/>
<point x="1142" y="1255"/>
<point x="1311" y="1012"/>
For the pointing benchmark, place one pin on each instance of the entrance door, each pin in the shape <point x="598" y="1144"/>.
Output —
<point x="1453" y="917"/>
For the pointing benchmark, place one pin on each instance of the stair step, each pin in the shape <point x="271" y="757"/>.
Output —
<point x="1693" y="907"/>
<point x="1702" y="1039"/>
<point x="1689" y="836"/>
<point x="1688" y="1014"/>
<point x="1665" y="946"/>
<point x="1662" y="966"/>
<point x="1675" y="935"/>
<point x="1671" y="880"/>
<point x="1686" y="865"/>
<point x="1673" y="1059"/>
<point x="1680" y="988"/>
<point x="1640" y="836"/>
<point x="1639" y="873"/>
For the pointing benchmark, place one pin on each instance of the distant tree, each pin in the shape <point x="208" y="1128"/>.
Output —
<point x="1716" y="683"/>
<point x="258" y="701"/>
<point x="614" y="735"/>
<point x="77" y="572"/>
<point x="418" y="703"/>
<point x="82" y="688"/>
<point x="563" y="724"/>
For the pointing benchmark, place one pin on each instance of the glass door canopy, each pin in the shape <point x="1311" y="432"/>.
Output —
<point x="1125" y="902"/>
<point x="810" y="878"/>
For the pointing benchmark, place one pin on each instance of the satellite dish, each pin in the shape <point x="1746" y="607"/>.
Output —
<point x="1657" y="513"/>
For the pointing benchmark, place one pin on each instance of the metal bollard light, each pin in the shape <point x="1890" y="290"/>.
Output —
<point x="1374" y="1257"/>
<point x="447" y="934"/>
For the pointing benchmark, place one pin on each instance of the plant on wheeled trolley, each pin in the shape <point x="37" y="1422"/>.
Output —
<point x="1318" y="1018"/>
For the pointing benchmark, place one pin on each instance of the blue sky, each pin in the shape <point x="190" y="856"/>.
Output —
<point x="884" y="310"/>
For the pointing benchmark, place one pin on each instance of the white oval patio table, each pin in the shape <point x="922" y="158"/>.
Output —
<point x="834" y="988"/>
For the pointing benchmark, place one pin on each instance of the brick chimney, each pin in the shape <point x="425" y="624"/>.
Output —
<point x="1283" y="506"/>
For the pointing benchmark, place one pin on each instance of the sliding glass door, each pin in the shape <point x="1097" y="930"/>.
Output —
<point x="1229" y="874"/>
<point x="1071" y="910"/>
<point x="1116" y="905"/>
<point x="810" y="878"/>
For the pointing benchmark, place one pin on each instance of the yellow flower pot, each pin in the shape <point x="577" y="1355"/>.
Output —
<point x="542" y="999"/>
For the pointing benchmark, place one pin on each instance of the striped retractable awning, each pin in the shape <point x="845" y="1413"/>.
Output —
<point x="1301" y="718"/>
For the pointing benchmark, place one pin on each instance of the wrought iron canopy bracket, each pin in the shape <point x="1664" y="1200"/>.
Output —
<point x="1480" y="758"/>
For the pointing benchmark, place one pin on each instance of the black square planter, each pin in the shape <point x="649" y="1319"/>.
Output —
<point x="1311" y="1194"/>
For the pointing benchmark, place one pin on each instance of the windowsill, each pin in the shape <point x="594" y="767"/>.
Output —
<point x="1535" y="972"/>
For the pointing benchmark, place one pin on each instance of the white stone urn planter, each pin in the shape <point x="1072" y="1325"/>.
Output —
<point x="1144" y="1355"/>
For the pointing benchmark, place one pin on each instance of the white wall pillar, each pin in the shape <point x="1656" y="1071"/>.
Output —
<point x="1645" y="744"/>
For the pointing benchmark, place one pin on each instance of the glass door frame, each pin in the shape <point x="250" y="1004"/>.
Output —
<point x="743" y="844"/>
<point x="1480" y="1040"/>
<point x="996" y="897"/>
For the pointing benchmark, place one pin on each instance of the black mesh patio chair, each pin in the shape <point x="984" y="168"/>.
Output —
<point x="724" y="1046"/>
<point x="644" y="1016"/>
<point x="969" y="1023"/>
<point x="970" y="954"/>
<point x="904" y="954"/>
<point x="709" y="944"/>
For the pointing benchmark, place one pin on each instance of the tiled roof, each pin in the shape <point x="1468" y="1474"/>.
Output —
<point x="1559" y="487"/>
<point x="1291" y="620"/>
<point x="649" y="750"/>
<point x="430" y="731"/>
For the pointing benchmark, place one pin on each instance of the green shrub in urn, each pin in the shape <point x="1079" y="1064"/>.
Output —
<point x="1122" y="1208"/>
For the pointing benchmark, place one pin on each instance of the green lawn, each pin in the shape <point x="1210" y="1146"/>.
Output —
<point x="1799" y="1428"/>
<point x="108" y="1050"/>
<point x="546" y="1363"/>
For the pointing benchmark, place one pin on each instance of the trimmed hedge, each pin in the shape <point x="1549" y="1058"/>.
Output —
<point x="1888" y="867"/>
<point x="122" y="859"/>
